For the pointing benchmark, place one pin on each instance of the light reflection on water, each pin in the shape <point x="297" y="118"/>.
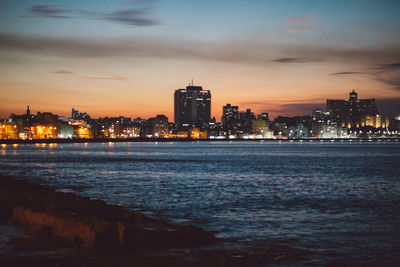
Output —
<point x="331" y="199"/>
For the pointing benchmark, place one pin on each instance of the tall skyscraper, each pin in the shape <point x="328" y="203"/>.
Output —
<point x="192" y="106"/>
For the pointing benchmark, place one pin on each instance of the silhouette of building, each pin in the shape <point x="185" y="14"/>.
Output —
<point x="263" y="116"/>
<point x="158" y="126"/>
<point x="246" y="119"/>
<point x="230" y="118"/>
<point x="349" y="113"/>
<point x="192" y="107"/>
<point x="74" y="113"/>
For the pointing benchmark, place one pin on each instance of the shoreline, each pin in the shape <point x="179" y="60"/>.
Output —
<point x="65" y="229"/>
<point x="167" y="140"/>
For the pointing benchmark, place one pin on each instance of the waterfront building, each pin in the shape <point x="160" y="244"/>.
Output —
<point x="159" y="126"/>
<point x="245" y="119"/>
<point x="179" y="135"/>
<point x="298" y="131"/>
<point x="394" y="124"/>
<point x="196" y="133"/>
<point x="349" y="113"/>
<point x="230" y="119"/>
<point x="83" y="132"/>
<point x="66" y="130"/>
<point x="280" y="129"/>
<point x="376" y="121"/>
<point x="40" y="131"/>
<point x="8" y="131"/>
<point x="323" y="126"/>
<point x="259" y="128"/>
<point x="192" y="107"/>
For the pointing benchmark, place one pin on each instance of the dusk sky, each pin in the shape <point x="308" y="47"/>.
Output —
<point x="111" y="58"/>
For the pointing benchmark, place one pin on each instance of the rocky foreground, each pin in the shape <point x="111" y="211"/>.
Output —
<point x="64" y="229"/>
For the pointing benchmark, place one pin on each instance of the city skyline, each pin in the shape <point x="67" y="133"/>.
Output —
<point x="278" y="58"/>
<point x="206" y="97"/>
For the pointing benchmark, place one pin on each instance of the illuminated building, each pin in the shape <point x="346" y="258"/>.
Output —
<point x="376" y="121"/>
<point x="159" y="126"/>
<point x="195" y="133"/>
<point x="349" y="113"/>
<point x="44" y="132"/>
<point x="8" y="131"/>
<point x="83" y="132"/>
<point x="66" y="130"/>
<point x="192" y="107"/>
<point x="178" y="135"/>
<point x="259" y="127"/>
<point x="322" y="126"/>
<point x="281" y="129"/>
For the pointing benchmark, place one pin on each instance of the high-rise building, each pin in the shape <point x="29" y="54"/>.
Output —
<point x="349" y="113"/>
<point x="229" y="114"/>
<point x="192" y="107"/>
<point x="230" y="118"/>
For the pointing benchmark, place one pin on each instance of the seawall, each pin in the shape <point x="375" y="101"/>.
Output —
<point x="90" y="223"/>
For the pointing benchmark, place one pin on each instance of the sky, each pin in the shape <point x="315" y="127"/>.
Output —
<point x="126" y="57"/>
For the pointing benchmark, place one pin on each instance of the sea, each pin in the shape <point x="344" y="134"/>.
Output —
<point x="318" y="202"/>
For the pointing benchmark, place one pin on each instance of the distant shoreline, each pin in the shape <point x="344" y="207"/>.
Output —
<point x="141" y="140"/>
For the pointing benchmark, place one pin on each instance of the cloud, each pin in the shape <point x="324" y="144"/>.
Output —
<point x="302" y="20"/>
<point x="348" y="73"/>
<point x="140" y="16"/>
<point x="301" y="24"/>
<point x="383" y="60"/>
<point x="47" y="12"/>
<point x="388" y="73"/>
<point x="301" y="29"/>
<point x="132" y="17"/>
<point x="296" y="60"/>
<point x="113" y="78"/>
<point x="392" y="80"/>
<point x="62" y="72"/>
<point x="391" y="66"/>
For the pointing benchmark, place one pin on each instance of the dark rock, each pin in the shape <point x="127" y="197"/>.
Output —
<point x="90" y="223"/>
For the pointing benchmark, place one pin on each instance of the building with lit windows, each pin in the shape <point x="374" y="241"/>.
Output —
<point x="349" y="113"/>
<point x="230" y="118"/>
<point x="159" y="126"/>
<point x="192" y="107"/>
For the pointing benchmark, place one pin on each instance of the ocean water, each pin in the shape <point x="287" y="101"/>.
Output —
<point x="318" y="202"/>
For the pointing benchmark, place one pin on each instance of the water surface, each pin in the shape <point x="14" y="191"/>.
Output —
<point x="318" y="201"/>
